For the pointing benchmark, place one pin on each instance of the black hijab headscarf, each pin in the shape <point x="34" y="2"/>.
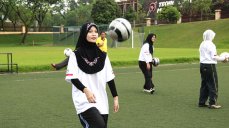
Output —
<point x="89" y="57"/>
<point x="149" y="41"/>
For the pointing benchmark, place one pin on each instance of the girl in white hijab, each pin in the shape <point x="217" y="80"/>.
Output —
<point x="209" y="78"/>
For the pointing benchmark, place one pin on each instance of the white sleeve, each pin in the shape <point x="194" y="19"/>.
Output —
<point x="214" y="54"/>
<point x="219" y="58"/>
<point x="146" y="53"/>
<point x="109" y="71"/>
<point x="72" y="68"/>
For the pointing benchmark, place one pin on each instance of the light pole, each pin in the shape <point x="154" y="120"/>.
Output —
<point x="190" y="10"/>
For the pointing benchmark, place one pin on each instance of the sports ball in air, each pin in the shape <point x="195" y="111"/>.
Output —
<point x="120" y="29"/>
<point x="225" y="55"/>
<point x="67" y="52"/>
<point x="156" y="61"/>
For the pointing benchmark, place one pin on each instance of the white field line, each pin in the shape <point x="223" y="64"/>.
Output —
<point x="168" y="70"/>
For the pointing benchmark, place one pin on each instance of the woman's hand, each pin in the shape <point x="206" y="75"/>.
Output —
<point x="90" y="96"/>
<point x="226" y="59"/>
<point x="116" y="104"/>
<point x="100" y="44"/>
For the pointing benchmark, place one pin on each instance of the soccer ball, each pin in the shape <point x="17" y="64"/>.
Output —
<point x="67" y="52"/>
<point x="120" y="29"/>
<point x="225" y="55"/>
<point x="156" y="61"/>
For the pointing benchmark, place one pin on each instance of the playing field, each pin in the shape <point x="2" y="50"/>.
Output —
<point x="43" y="100"/>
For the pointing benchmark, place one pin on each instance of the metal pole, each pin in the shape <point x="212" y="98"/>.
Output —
<point x="132" y="35"/>
<point x="11" y="62"/>
<point x="8" y="66"/>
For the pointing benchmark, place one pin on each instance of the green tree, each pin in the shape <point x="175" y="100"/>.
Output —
<point x="25" y="10"/>
<point x="187" y="9"/>
<point x="79" y="12"/>
<point x="104" y="11"/>
<point x="57" y="19"/>
<point x="83" y="13"/>
<point x="218" y="4"/>
<point x="72" y="4"/>
<point x="5" y="10"/>
<point x="130" y="14"/>
<point x="71" y="18"/>
<point x="141" y="14"/>
<point x="202" y="7"/>
<point x="13" y="17"/>
<point x="141" y="1"/>
<point x="49" y="20"/>
<point x="59" y="8"/>
<point x="169" y="13"/>
<point x="178" y="4"/>
<point x="42" y="8"/>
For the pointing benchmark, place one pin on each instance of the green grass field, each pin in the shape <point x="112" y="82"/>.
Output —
<point x="185" y="35"/>
<point x="176" y="43"/>
<point x="39" y="58"/>
<point x="189" y="35"/>
<point x="43" y="100"/>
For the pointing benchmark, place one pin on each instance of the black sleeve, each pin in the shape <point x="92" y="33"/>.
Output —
<point x="78" y="84"/>
<point x="112" y="87"/>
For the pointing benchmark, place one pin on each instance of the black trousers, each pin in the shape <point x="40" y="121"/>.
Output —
<point x="91" y="118"/>
<point x="209" y="84"/>
<point x="147" y="75"/>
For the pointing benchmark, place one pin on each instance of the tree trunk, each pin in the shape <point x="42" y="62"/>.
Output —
<point x="190" y="17"/>
<point x="14" y="24"/>
<point x="39" y="26"/>
<point x="2" y="25"/>
<point x="24" y="35"/>
<point x="201" y="15"/>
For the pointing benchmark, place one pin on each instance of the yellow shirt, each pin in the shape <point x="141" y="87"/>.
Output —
<point x="104" y="46"/>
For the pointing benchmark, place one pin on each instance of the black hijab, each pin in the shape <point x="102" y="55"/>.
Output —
<point x="149" y="41"/>
<point x="89" y="57"/>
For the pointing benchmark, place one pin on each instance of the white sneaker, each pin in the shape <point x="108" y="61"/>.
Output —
<point x="149" y="91"/>
<point x="214" y="106"/>
<point x="153" y="89"/>
<point x="146" y="90"/>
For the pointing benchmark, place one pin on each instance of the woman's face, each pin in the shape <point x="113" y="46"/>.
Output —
<point x="153" y="39"/>
<point x="92" y="35"/>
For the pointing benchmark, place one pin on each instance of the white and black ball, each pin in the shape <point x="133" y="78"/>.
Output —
<point x="120" y="29"/>
<point x="225" y="55"/>
<point x="67" y="52"/>
<point x="156" y="61"/>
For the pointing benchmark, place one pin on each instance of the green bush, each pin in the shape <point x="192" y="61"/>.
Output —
<point x="169" y="14"/>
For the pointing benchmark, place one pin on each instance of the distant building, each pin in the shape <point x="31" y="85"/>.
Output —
<point x="125" y="4"/>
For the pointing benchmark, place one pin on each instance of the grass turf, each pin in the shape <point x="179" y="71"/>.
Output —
<point x="43" y="100"/>
<point x="185" y="35"/>
<point x="39" y="58"/>
<point x="176" y="43"/>
<point x="189" y="35"/>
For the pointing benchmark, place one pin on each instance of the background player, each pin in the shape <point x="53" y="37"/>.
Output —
<point x="101" y="42"/>
<point x="145" y="62"/>
<point x="209" y="78"/>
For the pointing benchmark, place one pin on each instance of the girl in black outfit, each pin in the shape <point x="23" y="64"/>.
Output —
<point x="145" y="62"/>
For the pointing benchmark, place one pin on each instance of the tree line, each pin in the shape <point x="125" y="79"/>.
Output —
<point x="40" y="13"/>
